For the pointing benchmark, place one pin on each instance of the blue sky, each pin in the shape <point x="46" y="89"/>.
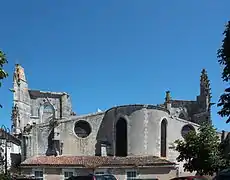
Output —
<point x="112" y="52"/>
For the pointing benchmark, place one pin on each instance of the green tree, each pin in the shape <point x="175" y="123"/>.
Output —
<point x="225" y="152"/>
<point x="200" y="151"/>
<point x="3" y="61"/>
<point x="223" y="55"/>
<point x="4" y="176"/>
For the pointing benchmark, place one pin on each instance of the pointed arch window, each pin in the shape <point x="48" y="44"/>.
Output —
<point x="47" y="112"/>
<point x="163" y="137"/>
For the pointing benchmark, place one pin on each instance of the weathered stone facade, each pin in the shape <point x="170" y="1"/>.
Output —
<point x="47" y="125"/>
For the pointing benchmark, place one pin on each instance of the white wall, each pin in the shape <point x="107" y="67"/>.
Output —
<point x="11" y="148"/>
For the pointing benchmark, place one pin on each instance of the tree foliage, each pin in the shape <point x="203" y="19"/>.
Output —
<point x="223" y="55"/>
<point x="200" y="151"/>
<point x="225" y="152"/>
<point x="4" y="176"/>
<point x="3" y="61"/>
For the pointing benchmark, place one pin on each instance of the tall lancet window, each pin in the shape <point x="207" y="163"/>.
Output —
<point x="163" y="137"/>
<point x="47" y="113"/>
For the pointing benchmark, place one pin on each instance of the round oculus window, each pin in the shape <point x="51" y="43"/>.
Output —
<point x="186" y="129"/>
<point x="82" y="129"/>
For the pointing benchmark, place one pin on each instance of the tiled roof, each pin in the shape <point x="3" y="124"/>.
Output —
<point x="95" y="161"/>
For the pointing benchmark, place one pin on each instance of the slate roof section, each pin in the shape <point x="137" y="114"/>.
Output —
<point x="96" y="161"/>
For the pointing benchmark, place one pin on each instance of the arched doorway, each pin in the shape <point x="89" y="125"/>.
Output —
<point x="121" y="137"/>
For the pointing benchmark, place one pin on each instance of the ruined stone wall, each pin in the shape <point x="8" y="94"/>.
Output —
<point x="144" y="132"/>
<point x="74" y="145"/>
<point x="59" y="101"/>
<point x="44" y="107"/>
<point x="21" y="101"/>
<point x="37" y="103"/>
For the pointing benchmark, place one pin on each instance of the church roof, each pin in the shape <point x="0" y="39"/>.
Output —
<point x="38" y="93"/>
<point x="96" y="161"/>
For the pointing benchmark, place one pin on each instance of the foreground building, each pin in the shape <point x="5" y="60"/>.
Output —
<point x="129" y="141"/>
<point x="10" y="151"/>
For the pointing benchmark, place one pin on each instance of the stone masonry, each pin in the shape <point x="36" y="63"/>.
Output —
<point x="48" y="126"/>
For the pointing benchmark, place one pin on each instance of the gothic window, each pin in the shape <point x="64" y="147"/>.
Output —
<point x="47" y="112"/>
<point x="48" y="109"/>
<point x="82" y="129"/>
<point x="163" y="137"/>
<point x="186" y="129"/>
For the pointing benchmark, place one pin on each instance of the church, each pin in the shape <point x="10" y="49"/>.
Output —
<point x="133" y="141"/>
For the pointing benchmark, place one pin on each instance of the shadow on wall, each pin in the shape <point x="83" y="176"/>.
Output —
<point x="54" y="145"/>
<point x="15" y="160"/>
<point x="49" y="116"/>
<point x="50" y="150"/>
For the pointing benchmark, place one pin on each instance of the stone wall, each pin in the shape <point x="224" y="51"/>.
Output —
<point x="144" y="132"/>
<point x="59" y="101"/>
<point x="142" y="128"/>
<point x="45" y="129"/>
<point x="74" y="145"/>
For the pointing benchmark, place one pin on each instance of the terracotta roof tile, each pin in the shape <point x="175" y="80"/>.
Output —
<point x="95" y="161"/>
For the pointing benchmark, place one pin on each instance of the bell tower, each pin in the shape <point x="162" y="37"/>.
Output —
<point x="21" y="101"/>
<point x="205" y="91"/>
<point x="204" y="99"/>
